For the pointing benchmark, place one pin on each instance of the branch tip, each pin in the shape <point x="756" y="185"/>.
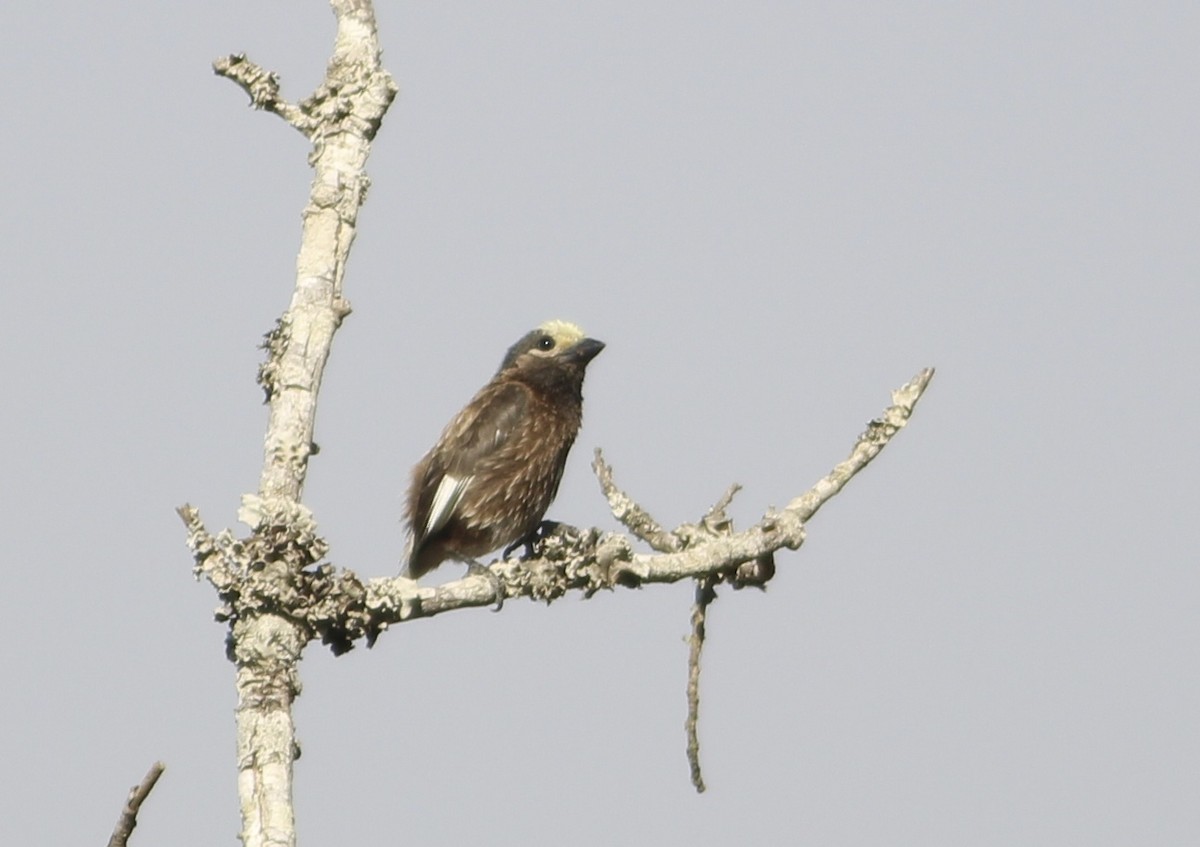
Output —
<point x="630" y="514"/>
<point x="128" y="818"/>
<point x="262" y="87"/>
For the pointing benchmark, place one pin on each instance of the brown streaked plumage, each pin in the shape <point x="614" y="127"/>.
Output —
<point x="496" y="468"/>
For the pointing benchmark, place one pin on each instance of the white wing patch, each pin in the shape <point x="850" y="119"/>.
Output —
<point x="445" y="500"/>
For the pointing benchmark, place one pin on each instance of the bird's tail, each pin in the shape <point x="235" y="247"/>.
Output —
<point x="408" y="560"/>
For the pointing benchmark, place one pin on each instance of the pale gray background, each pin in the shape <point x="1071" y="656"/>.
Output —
<point x="773" y="213"/>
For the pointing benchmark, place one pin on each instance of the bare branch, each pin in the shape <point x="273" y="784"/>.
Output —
<point x="263" y="88"/>
<point x="705" y="594"/>
<point x="716" y="515"/>
<point x="262" y="580"/>
<point x="878" y="433"/>
<point x="128" y="819"/>
<point x="631" y="515"/>
<point x="593" y="561"/>
<point x="340" y="608"/>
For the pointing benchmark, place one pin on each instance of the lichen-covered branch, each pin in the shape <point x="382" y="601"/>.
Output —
<point x="348" y="108"/>
<point x="339" y="608"/>
<point x="137" y="795"/>
<point x="631" y="514"/>
<point x="878" y="433"/>
<point x="260" y="579"/>
<point x="266" y="650"/>
<point x="590" y="561"/>
<point x="262" y="86"/>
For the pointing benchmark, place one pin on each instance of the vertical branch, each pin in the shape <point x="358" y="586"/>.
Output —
<point x="705" y="594"/>
<point x="347" y="110"/>
<point x="340" y="118"/>
<point x="266" y="650"/>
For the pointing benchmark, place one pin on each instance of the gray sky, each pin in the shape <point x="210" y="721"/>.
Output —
<point x="774" y="214"/>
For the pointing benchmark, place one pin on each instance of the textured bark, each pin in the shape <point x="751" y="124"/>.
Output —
<point x="340" y="608"/>
<point x="265" y="642"/>
<point x="705" y="594"/>
<point x="266" y="650"/>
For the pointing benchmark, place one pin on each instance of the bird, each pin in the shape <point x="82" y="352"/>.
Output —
<point x="495" y="470"/>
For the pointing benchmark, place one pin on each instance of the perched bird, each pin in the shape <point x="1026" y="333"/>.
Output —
<point x="495" y="470"/>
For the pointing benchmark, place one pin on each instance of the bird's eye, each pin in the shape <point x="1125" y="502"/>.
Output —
<point x="545" y="343"/>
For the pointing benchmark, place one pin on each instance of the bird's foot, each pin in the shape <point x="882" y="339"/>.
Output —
<point x="474" y="568"/>
<point x="533" y="539"/>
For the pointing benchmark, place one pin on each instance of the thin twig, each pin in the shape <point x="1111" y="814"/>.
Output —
<point x="137" y="794"/>
<point x="716" y="517"/>
<point x="705" y="594"/>
<point x="631" y="515"/>
<point x="262" y="86"/>
<point x="877" y="435"/>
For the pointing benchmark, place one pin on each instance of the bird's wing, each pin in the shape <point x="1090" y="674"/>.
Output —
<point x="482" y="428"/>
<point x="445" y="500"/>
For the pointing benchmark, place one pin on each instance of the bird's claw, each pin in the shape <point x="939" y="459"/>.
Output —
<point x="529" y="541"/>
<point x="474" y="568"/>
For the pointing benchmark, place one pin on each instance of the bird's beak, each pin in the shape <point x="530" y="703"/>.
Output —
<point x="585" y="351"/>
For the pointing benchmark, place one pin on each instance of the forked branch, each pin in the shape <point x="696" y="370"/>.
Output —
<point x="340" y="608"/>
<point x="340" y="118"/>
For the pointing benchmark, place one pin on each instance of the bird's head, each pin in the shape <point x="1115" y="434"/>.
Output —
<point x="554" y="348"/>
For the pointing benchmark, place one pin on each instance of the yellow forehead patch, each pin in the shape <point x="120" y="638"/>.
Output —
<point x="564" y="333"/>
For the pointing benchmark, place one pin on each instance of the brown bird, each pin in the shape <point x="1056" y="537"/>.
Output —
<point x="495" y="470"/>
